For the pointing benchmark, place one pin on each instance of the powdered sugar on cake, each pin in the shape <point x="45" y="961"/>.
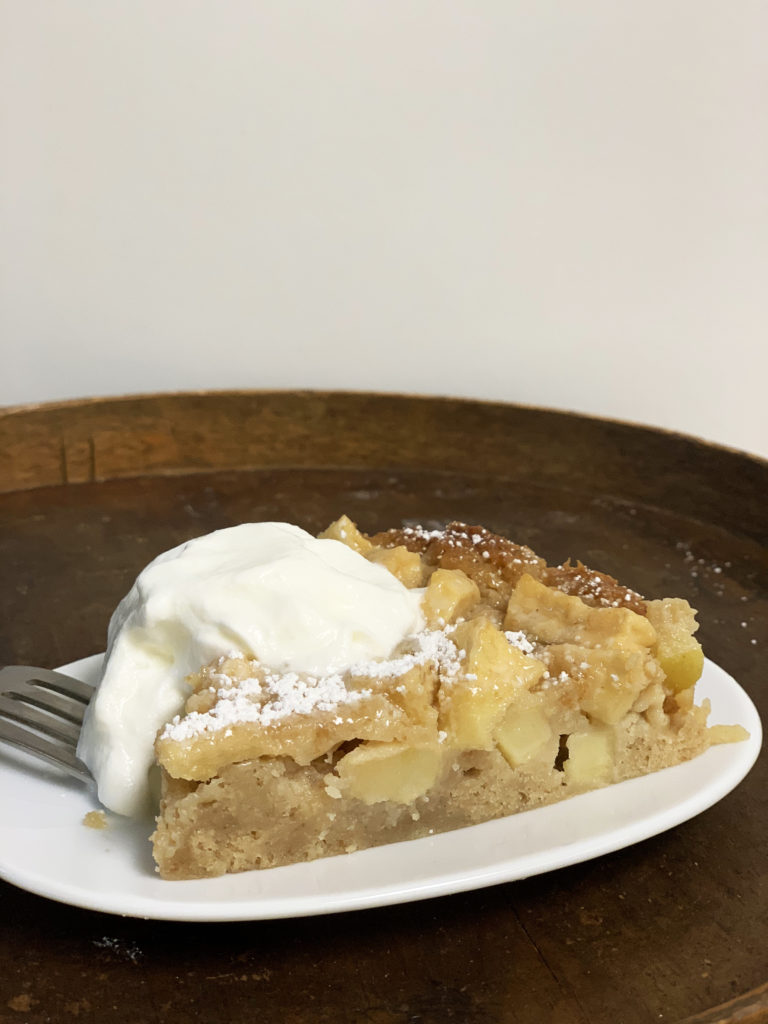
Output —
<point x="277" y="696"/>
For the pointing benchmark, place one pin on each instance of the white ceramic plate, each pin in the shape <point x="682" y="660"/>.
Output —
<point x="45" y="848"/>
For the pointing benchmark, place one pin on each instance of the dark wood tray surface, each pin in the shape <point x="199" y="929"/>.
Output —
<point x="673" y="929"/>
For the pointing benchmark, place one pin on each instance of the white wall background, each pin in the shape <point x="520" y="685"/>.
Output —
<point x="555" y="203"/>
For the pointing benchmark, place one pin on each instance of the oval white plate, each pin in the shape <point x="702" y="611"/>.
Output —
<point x="45" y="848"/>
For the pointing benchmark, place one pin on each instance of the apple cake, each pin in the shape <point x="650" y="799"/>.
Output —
<point x="528" y="684"/>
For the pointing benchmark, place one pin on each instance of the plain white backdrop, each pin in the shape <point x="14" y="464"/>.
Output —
<point x="559" y="204"/>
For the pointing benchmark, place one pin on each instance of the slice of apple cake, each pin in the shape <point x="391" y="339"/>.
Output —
<point x="526" y="685"/>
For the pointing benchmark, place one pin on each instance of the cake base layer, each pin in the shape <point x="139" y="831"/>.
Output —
<point x="272" y="811"/>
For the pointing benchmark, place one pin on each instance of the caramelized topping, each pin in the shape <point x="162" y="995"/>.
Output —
<point x="493" y="562"/>
<point x="594" y="588"/>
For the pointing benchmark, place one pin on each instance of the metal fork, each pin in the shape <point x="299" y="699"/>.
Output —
<point x="41" y="712"/>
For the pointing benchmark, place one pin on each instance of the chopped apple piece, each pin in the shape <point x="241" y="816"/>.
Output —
<point x="493" y="674"/>
<point x="523" y="734"/>
<point x="614" y="685"/>
<point x="679" y="652"/>
<point x="449" y="595"/>
<point x="590" y="757"/>
<point x="346" y="531"/>
<point x="609" y="680"/>
<point x="374" y="772"/>
<point x="406" y="565"/>
<point x="554" y="617"/>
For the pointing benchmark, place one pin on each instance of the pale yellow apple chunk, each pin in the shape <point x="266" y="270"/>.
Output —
<point x="344" y="530"/>
<point x="608" y="680"/>
<point x="450" y="595"/>
<point x="590" y="759"/>
<point x="493" y="674"/>
<point x="374" y="772"/>
<point x="524" y="734"/>
<point x="678" y="651"/>
<point x="405" y="565"/>
<point x="553" y="617"/>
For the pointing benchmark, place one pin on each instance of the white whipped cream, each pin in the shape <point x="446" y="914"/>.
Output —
<point x="264" y="590"/>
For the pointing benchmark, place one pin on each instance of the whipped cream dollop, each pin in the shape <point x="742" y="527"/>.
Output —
<point x="265" y="590"/>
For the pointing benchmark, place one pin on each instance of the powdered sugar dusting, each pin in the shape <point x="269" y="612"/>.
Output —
<point x="271" y="697"/>
<point x="420" y="533"/>
<point x="432" y="645"/>
<point x="519" y="640"/>
<point x="278" y="696"/>
<point x="548" y="680"/>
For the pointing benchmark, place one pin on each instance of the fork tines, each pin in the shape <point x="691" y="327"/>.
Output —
<point x="41" y="711"/>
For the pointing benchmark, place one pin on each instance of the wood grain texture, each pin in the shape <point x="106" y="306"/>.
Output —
<point x="674" y="929"/>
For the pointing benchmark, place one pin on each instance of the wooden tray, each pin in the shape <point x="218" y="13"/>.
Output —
<point x="673" y="929"/>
